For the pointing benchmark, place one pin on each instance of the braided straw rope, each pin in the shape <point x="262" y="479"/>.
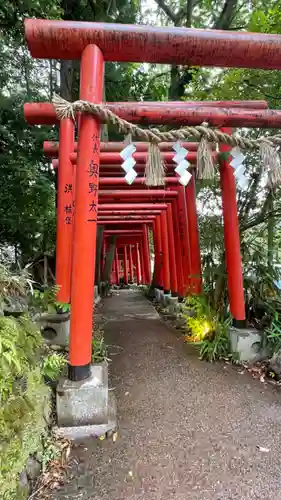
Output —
<point x="266" y="145"/>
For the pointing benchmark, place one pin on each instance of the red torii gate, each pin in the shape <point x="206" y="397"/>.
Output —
<point x="95" y="43"/>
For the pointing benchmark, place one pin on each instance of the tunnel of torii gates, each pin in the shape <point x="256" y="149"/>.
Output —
<point x="102" y="197"/>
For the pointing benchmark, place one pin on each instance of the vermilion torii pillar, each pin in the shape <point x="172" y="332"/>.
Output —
<point x="231" y="238"/>
<point x="94" y="43"/>
<point x="131" y="272"/>
<point x="65" y="208"/>
<point x="193" y="234"/>
<point x="85" y="228"/>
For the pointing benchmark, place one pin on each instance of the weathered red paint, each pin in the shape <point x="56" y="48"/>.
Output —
<point x="132" y="206"/>
<point x="135" y="195"/>
<point x="116" y="258"/>
<point x="125" y="261"/>
<point x="138" y="266"/>
<point x="109" y="217"/>
<point x="51" y="148"/>
<point x="131" y="269"/>
<point x="146" y="249"/>
<point x="44" y="114"/>
<point x="159" y="281"/>
<point x="232" y="238"/>
<point x="172" y="254"/>
<point x="178" y="249"/>
<point x="141" y="159"/>
<point x="184" y="239"/>
<point x="194" y="243"/>
<point x="139" y="181"/>
<point x="65" y="212"/>
<point x="142" y="266"/>
<point x="84" y="237"/>
<point x="124" y="222"/>
<point x="135" y="43"/>
<point x="121" y="232"/>
<point x="137" y="212"/>
<point x="165" y="252"/>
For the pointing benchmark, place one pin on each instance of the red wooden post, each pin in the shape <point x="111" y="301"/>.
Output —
<point x="85" y="229"/>
<point x="160" y="249"/>
<point x="142" y="262"/>
<point x="125" y="265"/>
<point x="138" y="265"/>
<point x="65" y="211"/>
<point x="147" y="257"/>
<point x="194" y="242"/>
<point x="131" y="264"/>
<point x="232" y="238"/>
<point x="178" y="249"/>
<point x="184" y="239"/>
<point x="156" y="255"/>
<point x="117" y="266"/>
<point x="165" y="252"/>
<point x="172" y="255"/>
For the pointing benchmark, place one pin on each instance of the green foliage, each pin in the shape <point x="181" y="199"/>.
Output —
<point x="53" y="365"/>
<point x="19" y="350"/>
<point x="199" y="316"/>
<point x="273" y="334"/>
<point x="206" y="328"/>
<point x="22" y="424"/>
<point x="46" y="301"/>
<point x="99" y="347"/>
<point x="217" y="345"/>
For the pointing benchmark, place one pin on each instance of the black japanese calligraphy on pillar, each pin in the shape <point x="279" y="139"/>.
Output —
<point x="93" y="174"/>
<point x="92" y="211"/>
<point x="93" y="169"/>
<point x="68" y="210"/>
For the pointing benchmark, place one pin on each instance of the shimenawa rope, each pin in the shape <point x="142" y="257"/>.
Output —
<point x="155" y="169"/>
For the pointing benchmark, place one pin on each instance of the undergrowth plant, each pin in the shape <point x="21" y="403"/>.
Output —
<point x="46" y="301"/>
<point x="206" y="328"/>
<point x="99" y="347"/>
<point x="53" y="365"/>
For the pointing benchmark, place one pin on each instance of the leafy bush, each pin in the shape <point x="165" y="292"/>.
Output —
<point x="46" y="301"/>
<point x="53" y="365"/>
<point x="22" y="424"/>
<point x="206" y="328"/>
<point x="99" y="347"/>
<point x="19" y="351"/>
<point x="272" y="334"/>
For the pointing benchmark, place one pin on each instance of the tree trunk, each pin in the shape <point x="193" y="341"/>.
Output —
<point x="270" y="232"/>
<point x="109" y="257"/>
<point x="66" y="79"/>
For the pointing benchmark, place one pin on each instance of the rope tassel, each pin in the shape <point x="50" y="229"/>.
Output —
<point x="154" y="169"/>
<point x="205" y="164"/>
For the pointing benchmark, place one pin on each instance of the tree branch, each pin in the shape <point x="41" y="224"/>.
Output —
<point x="168" y="11"/>
<point x="226" y="16"/>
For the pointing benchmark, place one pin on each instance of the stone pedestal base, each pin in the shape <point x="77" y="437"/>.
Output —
<point x="245" y="342"/>
<point x="173" y="305"/>
<point x="55" y="328"/>
<point x="158" y="294"/>
<point x="86" y="408"/>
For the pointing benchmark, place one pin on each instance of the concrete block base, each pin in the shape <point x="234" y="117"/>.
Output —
<point x="55" y="328"/>
<point x="245" y="342"/>
<point x="96" y="294"/>
<point x="81" y="432"/>
<point x="158" y="295"/>
<point x="173" y="305"/>
<point x="84" y="402"/>
<point x="166" y="299"/>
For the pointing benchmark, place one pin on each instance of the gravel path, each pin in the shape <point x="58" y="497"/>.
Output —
<point x="188" y="430"/>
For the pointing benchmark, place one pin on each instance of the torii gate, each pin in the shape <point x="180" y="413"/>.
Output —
<point x="94" y="44"/>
